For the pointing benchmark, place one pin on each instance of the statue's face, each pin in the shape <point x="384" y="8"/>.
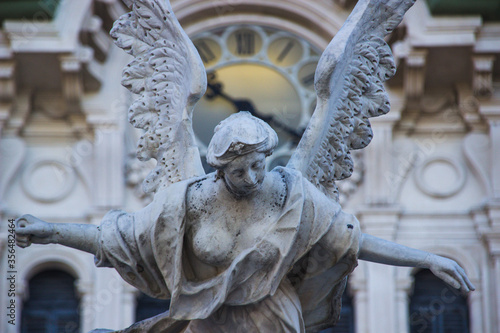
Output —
<point x="245" y="174"/>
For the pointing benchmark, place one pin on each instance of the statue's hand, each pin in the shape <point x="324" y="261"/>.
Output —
<point x="450" y="272"/>
<point x="30" y="229"/>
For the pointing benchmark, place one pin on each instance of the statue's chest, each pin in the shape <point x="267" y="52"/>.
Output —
<point x="219" y="234"/>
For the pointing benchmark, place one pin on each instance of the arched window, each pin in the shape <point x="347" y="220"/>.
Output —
<point x="346" y="322"/>
<point x="436" y="307"/>
<point x="52" y="306"/>
<point x="148" y="307"/>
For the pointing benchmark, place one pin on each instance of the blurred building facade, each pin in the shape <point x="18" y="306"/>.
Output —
<point x="430" y="179"/>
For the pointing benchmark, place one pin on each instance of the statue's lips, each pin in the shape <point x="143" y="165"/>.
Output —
<point x="252" y="187"/>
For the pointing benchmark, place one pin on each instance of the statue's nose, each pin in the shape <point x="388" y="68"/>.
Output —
<point x="251" y="177"/>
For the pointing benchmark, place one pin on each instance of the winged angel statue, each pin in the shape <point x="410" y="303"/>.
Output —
<point x="243" y="249"/>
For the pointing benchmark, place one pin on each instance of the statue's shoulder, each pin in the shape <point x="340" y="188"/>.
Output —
<point x="201" y="192"/>
<point x="288" y="175"/>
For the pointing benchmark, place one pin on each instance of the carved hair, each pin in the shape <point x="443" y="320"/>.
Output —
<point x="237" y="135"/>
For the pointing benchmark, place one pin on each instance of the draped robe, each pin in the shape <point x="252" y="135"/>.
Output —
<point x="290" y="280"/>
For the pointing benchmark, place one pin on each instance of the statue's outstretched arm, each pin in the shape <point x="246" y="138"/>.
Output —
<point x="30" y="229"/>
<point x="382" y="251"/>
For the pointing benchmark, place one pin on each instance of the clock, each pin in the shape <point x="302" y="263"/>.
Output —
<point x="265" y="71"/>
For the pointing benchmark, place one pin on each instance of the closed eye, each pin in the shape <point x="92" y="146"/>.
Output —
<point x="237" y="173"/>
<point x="257" y="165"/>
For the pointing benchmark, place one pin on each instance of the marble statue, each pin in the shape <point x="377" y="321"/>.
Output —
<point x="244" y="249"/>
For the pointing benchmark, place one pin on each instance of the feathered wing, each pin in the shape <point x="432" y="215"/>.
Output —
<point x="169" y="76"/>
<point x="349" y="86"/>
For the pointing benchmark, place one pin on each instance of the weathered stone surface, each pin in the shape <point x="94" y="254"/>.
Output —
<point x="244" y="248"/>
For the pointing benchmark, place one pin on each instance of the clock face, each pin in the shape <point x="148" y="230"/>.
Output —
<point x="267" y="72"/>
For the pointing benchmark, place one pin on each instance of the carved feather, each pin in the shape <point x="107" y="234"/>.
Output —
<point x="349" y="87"/>
<point x="169" y="76"/>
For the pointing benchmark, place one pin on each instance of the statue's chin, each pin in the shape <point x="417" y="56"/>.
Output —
<point x="245" y="191"/>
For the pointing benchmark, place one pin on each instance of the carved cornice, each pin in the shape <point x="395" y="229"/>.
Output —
<point x="428" y="31"/>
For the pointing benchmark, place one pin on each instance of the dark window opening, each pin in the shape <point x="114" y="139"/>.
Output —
<point x="346" y="322"/>
<point x="53" y="304"/>
<point x="436" y="307"/>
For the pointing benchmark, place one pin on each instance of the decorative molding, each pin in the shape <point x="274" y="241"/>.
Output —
<point x="476" y="148"/>
<point x="7" y="84"/>
<point x="7" y="80"/>
<point x="443" y="190"/>
<point x="426" y="30"/>
<point x="491" y="112"/>
<point x="415" y="75"/>
<point x="72" y="85"/>
<point x="314" y="21"/>
<point x="84" y="288"/>
<point x="469" y="110"/>
<point x="36" y="175"/>
<point x="93" y="34"/>
<point x="488" y="39"/>
<point x="59" y="35"/>
<point x="12" y="155"/>
<point x="482" y="81"/>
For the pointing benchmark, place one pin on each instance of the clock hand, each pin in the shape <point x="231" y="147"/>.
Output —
<point x="216" y="89"/>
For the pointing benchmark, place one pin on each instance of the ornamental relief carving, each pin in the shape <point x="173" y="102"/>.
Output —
<point x="48" y="180"/>
<point x="440" y="176"/>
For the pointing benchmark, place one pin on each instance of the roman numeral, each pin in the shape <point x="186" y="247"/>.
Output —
<point x="245" y="43"/>
<point x="288" y="47"/>
<point x="205" y="52"/>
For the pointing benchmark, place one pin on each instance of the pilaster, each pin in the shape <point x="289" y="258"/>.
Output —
<point x="488" y="226"/>
<point x="379" y="164"/>
<point x="380" y="283"/>
<point x="403" y="288"/>
<point x="357" y="284"/>
<point x="85" y="291"/>
<point x="379" y="217"/>
<point x="491" y="112"/>
<point x="108" y="179"/>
